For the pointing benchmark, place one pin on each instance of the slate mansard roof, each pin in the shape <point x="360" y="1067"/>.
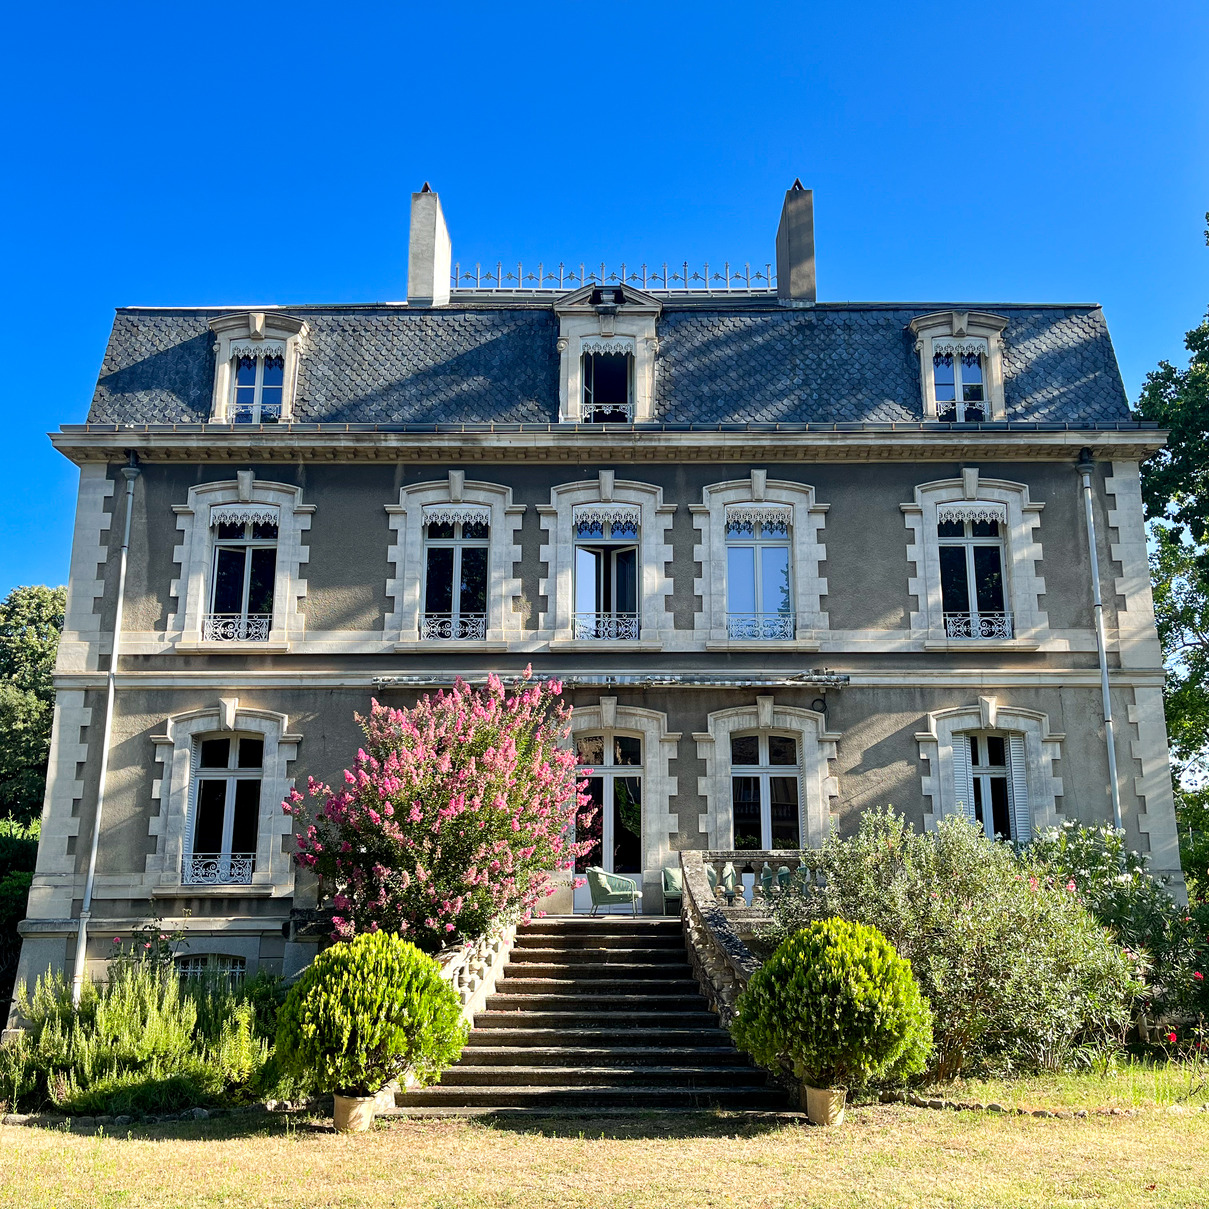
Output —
<point x="722" y="361"/>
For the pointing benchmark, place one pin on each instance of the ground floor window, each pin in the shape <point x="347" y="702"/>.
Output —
<point x="211" y="967"/>
<point x="991" y="783"/>
<point x="611" y="765"/>
<point x="764" y="791"/>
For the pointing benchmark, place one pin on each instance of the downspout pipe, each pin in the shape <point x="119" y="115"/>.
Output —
<point x="130" y="472"/>
<point x="1085" y="466"/>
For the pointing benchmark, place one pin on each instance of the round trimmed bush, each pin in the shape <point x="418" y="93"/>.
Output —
<point x="837" y="1004"/>
<point x="365" y="1012"/>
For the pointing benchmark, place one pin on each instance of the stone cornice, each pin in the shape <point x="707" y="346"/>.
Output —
<point x="587" y="444"/>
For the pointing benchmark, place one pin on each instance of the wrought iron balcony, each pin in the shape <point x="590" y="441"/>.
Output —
<point x="237" y="627"/>
<point x="607" y="413"/>
<point x="760" y="626"/>
<point x="978" y="625"/>
<point x="604" y="627"/>
<point x="445" y="627"/>
<point x="218" y="868"/>
<point x="249" y="413"/>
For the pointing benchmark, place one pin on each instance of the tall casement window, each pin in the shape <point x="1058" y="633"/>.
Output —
<point x="959" y="379"/>
<point x="764" y="791"/>
<point x="244" y="573"/>
<point x="759" y="591"/>
<point x="606" y="572"/>
<point x="608" y="381"/>
<point x="972" y="586"/>
<point x="611" y="764"/>
<point x="258" y="384"/>
<point x="225" y="815"/>
<point x="991" y="783"/>
<point x="456" y="543"/>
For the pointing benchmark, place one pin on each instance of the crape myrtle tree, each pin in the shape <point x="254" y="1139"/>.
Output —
<point x="454" y="814"/>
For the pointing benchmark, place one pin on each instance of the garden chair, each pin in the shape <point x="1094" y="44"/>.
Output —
<point x="730" y="883"/>
<point x="611" y="889"/>
<point x="673" y="884"/>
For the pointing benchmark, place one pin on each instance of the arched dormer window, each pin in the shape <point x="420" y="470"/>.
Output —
<point x="256" y="367"/>
<point x="960" y="365"/>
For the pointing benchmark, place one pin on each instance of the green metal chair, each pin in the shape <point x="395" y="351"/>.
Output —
<point x="612" y="890"/>
<point x="673" y="883"/>
<point x="730" y="883"/>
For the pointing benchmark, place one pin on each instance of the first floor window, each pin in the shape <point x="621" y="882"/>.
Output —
<point x="759" y="598"/>
<point x="992" y="783"/>
<point x="243" y="580"/>
<point x="225" y="816"/>
<point x="606" y="573"/>
<point x="611" y="764"/>
<point x="764" y="787"/>
<point x="971" y="579"/>
<point x="259" y="383"/>
<point x="455" y="579"/>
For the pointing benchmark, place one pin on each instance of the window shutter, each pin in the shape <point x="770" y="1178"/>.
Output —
<point x="1022" y="815"/>
<point x="963" y="777"/>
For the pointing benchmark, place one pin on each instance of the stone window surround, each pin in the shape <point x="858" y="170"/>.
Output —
<point x="1041" y="748"/>
<point x="1023" y="586"/>
<point x="816" y="786"/>
<point x="195" y="557"/>
<point x="274" y="872"/>
<point x="632" y="322"/>
<point x="948" y="325"/>
<point x="405" y="587"/>
<point x="659" y="788"/>
<point x="807" y="553"/>
<point x="654" y="551"/>
<point x="280" y="332"/>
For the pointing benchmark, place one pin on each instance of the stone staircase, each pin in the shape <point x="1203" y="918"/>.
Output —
<point x="597" y="1015"/>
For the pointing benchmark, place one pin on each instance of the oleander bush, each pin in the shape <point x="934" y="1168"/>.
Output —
<point x="366" y="1012"/>
<point x="1018" y="973"/>
<point x="838" y="1005"/>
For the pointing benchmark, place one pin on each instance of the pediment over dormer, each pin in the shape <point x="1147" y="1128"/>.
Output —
<point x="592" y="297"/>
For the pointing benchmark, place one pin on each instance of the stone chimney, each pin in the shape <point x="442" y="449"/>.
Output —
<point x="429" y="252"/>
<point x="795" y="248"/>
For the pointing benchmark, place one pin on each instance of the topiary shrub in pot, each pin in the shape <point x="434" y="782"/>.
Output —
<point x="364" y="1013"/>
<point x="837" y="1005"/>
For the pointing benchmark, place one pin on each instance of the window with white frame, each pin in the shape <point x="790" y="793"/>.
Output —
<point x="256" y="359"/>
<point x="606" y="572"/>
<point x="764" y="791"/>
<point x="959" y="379"/>
<point x="991" y="783"/>
<point x="243" y="573"/>
<point x="608" y="382"/>
<point x="211" y="968"/>
<point x="258" y="384"/>
<point x="611" y="766"/>
<point x="224" y="818"/>
<point x="759" y="588"/>
<point x="972" y="585"/>
<point x="961" y="365"/>
<point x="456" y="547"/>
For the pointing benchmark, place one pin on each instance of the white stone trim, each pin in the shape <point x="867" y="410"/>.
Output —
<point x="659" y="788"/>
<point x="1152" y="785"/>
<point x="1041" y="749"/>
<point x="971" y="512"/>
<point x="195" y="557"/>
<point x="972" y="331"/>
<point x="79" y="645"/>
<point x="816" y="787"/>
<point x="654" y="550"/>
<point x="258" y="334"/>
<point x="244" y="514"/>
<point x="808" y="551"/>
<point x="1020" y="548"/>
<point x="610" y="346"/>
<point x="405" y="586"/>
<point x="174" y="792"/>
<point x="1137" y="638"/>
<point x="457" y="514"/>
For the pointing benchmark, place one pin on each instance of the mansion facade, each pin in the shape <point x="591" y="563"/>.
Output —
<point x="793" y="560"/>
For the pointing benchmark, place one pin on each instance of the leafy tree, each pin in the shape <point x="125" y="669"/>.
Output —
<point x="31" y="620"/>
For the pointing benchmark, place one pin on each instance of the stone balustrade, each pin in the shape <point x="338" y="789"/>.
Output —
<point x="473" y="969"/>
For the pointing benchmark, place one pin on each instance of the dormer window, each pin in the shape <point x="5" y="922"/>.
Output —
<point x="608" y="381"/>
<point x="959" y="379"/>
<point x="259" y="381"/>
<point x="256" y="367"/>
<point x="960" y="366"/>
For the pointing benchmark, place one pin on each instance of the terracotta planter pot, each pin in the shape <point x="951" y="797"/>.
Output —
<point x="353" y="1114"/>
<point x="824" y="1105"/>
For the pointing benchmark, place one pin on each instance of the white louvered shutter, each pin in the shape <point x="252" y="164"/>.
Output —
<point x="1022" y="815"/>
<point x="963" y="777"/>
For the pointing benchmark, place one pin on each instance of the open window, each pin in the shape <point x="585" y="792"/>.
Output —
<point x="224" y="821"/>
<point x="611" y="765"/>
<point x="608" y="385"/>
<point x="759" y="590"/>
<point x="606" y="573"/>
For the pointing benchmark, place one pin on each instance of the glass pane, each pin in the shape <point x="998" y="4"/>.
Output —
<point x="975" y="749"/>
<point x="942" y="375"/>
<point x="744" y="749"/>
<point x="264" y="533"/>
<point x="625" y="586"/>
<point x="775" y="530"/>
<point x="988" y="578"/>
<point x="951" y="529"/>
<point x="590" y="749"/>
<point x="782" y="750"/>
<point x="954" y="580"/>
<point x="270" y="402"/>
<point x="996" y="751"/>
<point x="274" y="371"/>
<point x="231" y="533"/>
<point x="971" y="379"/>
<point x="245" y="371"/>
<point x="475" y="530"/>
<point x="474" y="580"/>
<point x="627" y="825"/>
<point x="228" y="581"/>
<point x="589" y="530"/>
<point x="623" y="531"/>
<point x="736" y="529"/>
<point x="260" y="586"/>
<point x="611" y="382"/>
<point x="441" y="530"/>
<point x="593" y="830"/>
<point x="978" y="800"/>
<point x="985" y="528"/>
<point x="438" y="583"/>
<point x="207" y="825"/>
<point x="740" y="579"/>
<point x="774" y="580"/>
<point x="973" y="413"/>
<point x="627" y="751"/>
<point x="247" y="813"/>
<point x="1000" y="815"/>
<point x="245" y="396"/>
<point x="215" y="753"/>
<point x="587" y="579"/>
<point x="746" y="802"/>
<point x="783" y="792"/>
<point x="251" y="753"/>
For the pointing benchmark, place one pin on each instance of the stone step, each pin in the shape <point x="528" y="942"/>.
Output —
<point x="602" y="1076"/>
<point x="599" y="1037"/>
<point x="524" y="955"/>
<point x="596" y="1056"/>
<point x="603" y="923"/>
<point x="592" y="1018"/>
<point x="524" y="985"/>
<point x="589" y="972"/>
<point x="566" y="940"/>
<point x="638" y="1097"/>
<point x="654" y="1001"/>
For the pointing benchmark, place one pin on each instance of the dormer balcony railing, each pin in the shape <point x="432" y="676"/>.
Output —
<point x="258" y="413"/>
<point x="680" y="278"/>
<point x="445" y="627"/>
<point x="607" y="413"/>
<point x="218" y="868"/>
<point x="604" y="627"/>
<point x="237" y="627"/>
<point x="978" y="625"/>
<point x="760" y="626"/>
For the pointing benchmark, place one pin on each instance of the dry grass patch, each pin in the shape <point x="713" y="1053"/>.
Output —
<point x="885" y="1156"/>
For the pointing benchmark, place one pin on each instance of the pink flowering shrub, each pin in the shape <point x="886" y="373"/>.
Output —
<point x="453" y="814"/>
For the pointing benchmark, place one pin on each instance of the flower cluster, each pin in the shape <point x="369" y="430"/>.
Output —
<point x="454" y="814"/>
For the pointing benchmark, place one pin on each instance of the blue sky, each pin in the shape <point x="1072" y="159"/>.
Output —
<point x="187" y="154"/>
